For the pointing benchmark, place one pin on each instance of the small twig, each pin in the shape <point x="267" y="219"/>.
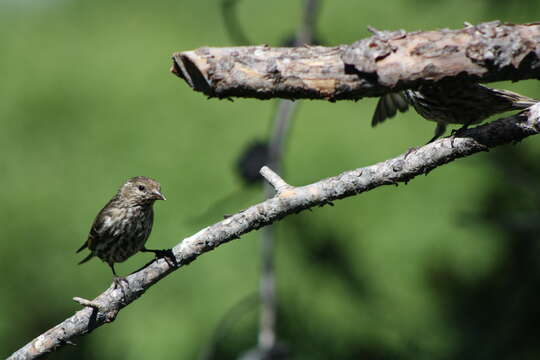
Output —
<point x="267" y="323"/>
<point x="274" y="179"/>
<point x="234" y="29"/>
<point x="87" y="303"/>
<point x="306" y="32"/>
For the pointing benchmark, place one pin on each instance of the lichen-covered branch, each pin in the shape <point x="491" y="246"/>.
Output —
<point x="288" y="200"/>
<point x="387" y="61"/>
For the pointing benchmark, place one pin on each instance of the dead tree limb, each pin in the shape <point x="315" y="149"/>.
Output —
<point x="387" y="61"/>
<point x="288" y="200"/>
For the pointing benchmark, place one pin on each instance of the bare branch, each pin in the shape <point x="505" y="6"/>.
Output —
<point x="385" y="62"/>
<point x="403" y="168"/>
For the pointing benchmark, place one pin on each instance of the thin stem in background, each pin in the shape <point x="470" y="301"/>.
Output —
<point x="281" y="124"/>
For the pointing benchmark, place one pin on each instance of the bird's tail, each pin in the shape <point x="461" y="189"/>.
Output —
<point x="518" y="101"/>
<point x="91" y="255"/>
<point x="524" y="102"/>
<point x="84" y="246"/>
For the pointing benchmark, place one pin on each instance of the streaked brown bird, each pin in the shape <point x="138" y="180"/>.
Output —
<point x="464" y="103"/>
<point x="122" y="227"/>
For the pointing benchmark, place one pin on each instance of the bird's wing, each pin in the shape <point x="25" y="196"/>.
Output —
<point x="387" y="107"/>
<point x="97" y="225"/>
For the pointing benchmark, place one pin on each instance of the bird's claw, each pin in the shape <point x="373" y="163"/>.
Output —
<point x="165" y="254"/>
<point x="457" y="133"/>
<point x="118" y="280"/>
<point x="410" y="151"/>
<point x="169" y="257"/>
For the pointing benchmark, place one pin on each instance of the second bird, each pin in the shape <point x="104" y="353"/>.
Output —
<point x="122" y="227"/>
<point x="451" y="103"/>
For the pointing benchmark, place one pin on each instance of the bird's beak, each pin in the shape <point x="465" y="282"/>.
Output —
<point x="159" y="196"/>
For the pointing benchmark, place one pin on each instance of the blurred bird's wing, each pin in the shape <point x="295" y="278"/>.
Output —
<point x="388" y="106"/>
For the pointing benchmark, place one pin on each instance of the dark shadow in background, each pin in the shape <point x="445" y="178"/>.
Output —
<point x="497" y="317"/>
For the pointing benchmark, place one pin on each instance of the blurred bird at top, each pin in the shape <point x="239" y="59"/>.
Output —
<point x="463" y="103"/>
<point x="122" y="227"/>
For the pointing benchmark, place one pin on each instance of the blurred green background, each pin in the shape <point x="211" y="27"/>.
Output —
<point x="443" y="268"/>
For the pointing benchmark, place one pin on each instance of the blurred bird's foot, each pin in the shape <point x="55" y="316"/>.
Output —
<point x="457" y="133"/>
<point x="410" y="151"/>
<point x="433" y="139"/>
<point x="165" y="254"/>
<point x="452" y="138"/>
<point x="439" y="131"/>
<point x="118" y="280"/>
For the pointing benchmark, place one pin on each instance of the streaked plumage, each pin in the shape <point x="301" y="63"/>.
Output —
<point x="466" y="104"/>
<point x="122" y="227"/>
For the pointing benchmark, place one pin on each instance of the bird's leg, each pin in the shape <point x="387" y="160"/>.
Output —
<point x="410" y="150"/>
<point x="458" y="132"/>
<point x="117" y="280"/>
<point x="439" y="131"/>
<point x="166" y="254"/>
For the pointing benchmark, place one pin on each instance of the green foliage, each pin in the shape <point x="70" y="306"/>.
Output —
<point x="87" y="102"/>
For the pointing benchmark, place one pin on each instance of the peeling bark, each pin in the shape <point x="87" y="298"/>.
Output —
<point x="388" y="61"/>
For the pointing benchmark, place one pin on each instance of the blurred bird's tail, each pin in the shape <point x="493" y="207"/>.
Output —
<point x="91" y="255"/>
<point x="524" y="102"/>
<point x="84" y="246"/>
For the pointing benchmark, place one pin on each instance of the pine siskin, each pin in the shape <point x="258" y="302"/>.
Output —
<point x="122" y="227"/>
<point x="466" y="104"/>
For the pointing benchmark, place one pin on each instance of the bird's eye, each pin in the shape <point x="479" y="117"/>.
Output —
<point x="141" y="187"/>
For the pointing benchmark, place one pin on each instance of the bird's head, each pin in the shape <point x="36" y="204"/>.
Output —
<point x="141" y="190"/>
